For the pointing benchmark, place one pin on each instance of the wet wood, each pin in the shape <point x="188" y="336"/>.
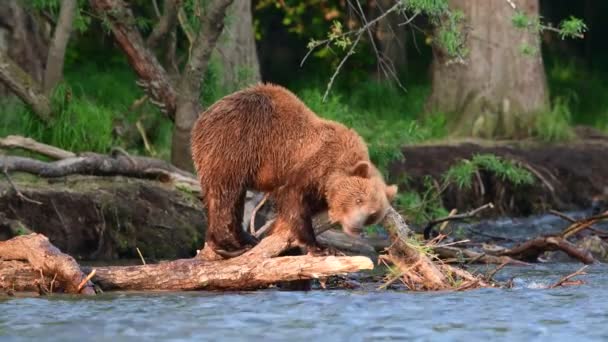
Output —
<point x="416" y="267"/>
<point x="47" y="259"/>
<point x="469" y="256"/>
<point x="258" y="268"/>
<point x="19" y="276"/>
<point x="532" y="249"/>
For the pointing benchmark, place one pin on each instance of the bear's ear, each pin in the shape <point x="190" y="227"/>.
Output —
<point x="362" y="169"/>
<point x="391" y="192"/>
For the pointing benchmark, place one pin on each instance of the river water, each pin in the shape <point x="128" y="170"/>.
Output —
<point x="524" y="313"/>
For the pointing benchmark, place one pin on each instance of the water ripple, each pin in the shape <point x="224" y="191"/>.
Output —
<point x="523" y="313"/>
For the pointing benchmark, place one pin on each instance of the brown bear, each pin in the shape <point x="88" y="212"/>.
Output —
<point x="264" y="138"/>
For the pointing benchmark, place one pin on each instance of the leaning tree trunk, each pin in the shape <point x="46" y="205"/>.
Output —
<point x="236" y="48"/>
<point x="498" y="88"/>
<point x="189" y="88"/>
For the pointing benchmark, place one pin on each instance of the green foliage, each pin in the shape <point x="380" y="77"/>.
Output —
<point x="555" y="124"/>
<point x="426" y="205"/>
<point x="572" y="27"/>
<point x="78" y="124"/>
<point x="451" y="36"/>
<point x="522" y="21"/>
<point x="462" y="173"/>
<point x="434" y="8"/>
<point x="569" y="28"/>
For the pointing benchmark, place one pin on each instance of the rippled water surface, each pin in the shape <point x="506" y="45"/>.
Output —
<point x="524" y="313"/>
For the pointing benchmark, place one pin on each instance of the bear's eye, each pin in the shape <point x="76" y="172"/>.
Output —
<point x="358" y="201"/>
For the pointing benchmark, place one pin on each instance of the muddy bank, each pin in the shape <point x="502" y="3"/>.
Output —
<point x="567" y="175"/>
<point x="104" y="218"/>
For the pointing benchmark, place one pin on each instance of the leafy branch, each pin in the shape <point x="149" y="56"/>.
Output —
<point x="437" y="10"/>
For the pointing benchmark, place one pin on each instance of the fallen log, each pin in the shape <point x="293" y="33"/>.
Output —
<point x="258" y="268"/>
<point x="117" y="164"/>
<point x="29" y="144"/>
<point x="47" y="259"/>
<point x="20" y="276"/>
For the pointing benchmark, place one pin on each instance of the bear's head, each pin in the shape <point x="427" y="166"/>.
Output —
<point x="359" y="198"/>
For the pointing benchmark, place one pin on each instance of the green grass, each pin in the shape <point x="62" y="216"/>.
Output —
<point x="581" y="90"/>
<point x="78" y="125"/>
<point x="555" y="124"/>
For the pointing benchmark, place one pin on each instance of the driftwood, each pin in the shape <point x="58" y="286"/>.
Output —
<point x="47" y="259"/>
<point x="470" y="257"/>
<point x="258" y="268"/>
<point x="565" y="281"/>
<point x="417" y="269"/>
<point x="17" y="141"/>
<point x="532" y="249"/>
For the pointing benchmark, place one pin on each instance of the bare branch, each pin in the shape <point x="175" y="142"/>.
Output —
<point x="357" y="33"/>
<point x="24" y="86"/>
<point x="469" y="214"/>
<point x="165" y="24"/>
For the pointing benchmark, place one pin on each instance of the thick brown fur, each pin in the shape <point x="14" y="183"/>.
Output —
<point x="264" y="138"/>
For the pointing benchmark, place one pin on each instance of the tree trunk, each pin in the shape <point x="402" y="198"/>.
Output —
<point x="61" y="37"/>
<point x="189" y="90"/>
<point x="237" y="48"/>
<point x="498" y="89"/>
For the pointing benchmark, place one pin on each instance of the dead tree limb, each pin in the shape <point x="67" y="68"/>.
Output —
<point x="28" y="144"/>
<point x="583" y="224"/>
<point x="469" y="256"/>
<point x="43" y="256"/>
<point x="532" y="249"/>
<point x="565" y="280"/>
<point x="24" y="86"/>
<point x="93" y="164"/>
<point x="429" y="226"/>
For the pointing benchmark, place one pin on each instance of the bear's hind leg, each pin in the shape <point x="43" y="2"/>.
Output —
<point x="225" y="212"/>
